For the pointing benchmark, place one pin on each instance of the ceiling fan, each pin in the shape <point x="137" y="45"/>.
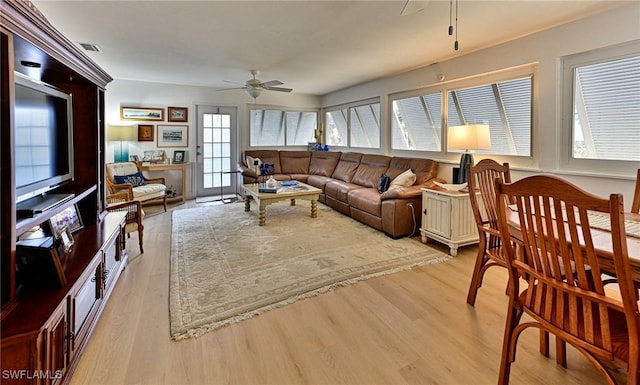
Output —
<point x="254" y="86"/>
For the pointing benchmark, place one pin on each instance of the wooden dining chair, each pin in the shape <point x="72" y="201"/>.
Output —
<point x="562" y="290"/>
<point x="122" y="201"/>
<point x="635" y="205"/>
<point x="481" y="177"/>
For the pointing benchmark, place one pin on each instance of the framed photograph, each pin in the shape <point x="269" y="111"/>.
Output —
<point x="145" y="132"/>
<point x="154" y="156"/>
<point x="177" y="114"/>
<point x="66" y="239"/>
<point x="173" y="136"/>
<point x="179" y="156"/>
<point x="141" y="113"/>
<point x="69" y="218"/>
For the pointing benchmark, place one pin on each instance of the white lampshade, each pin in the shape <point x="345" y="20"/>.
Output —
<point x="469" y="137"/>
<point x="121" y="133"/>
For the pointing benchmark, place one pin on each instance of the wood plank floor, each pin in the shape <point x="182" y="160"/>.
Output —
<point x="412" y="327"/>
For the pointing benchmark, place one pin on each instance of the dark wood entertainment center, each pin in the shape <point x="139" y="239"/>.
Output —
<point x="46" y="323"/>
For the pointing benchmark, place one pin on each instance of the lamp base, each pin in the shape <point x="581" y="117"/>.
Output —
<point x="121" y="154"/>
<point x="465" y="160"/>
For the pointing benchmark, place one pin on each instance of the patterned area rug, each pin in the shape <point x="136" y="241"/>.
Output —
<point x="226" y="268"/>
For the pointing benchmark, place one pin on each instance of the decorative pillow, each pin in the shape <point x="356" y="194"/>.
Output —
<point x="135" y="179"/>
<point x="254" y="164"/>
<point x="383" y="184"/>
<point x="406" y="179"/>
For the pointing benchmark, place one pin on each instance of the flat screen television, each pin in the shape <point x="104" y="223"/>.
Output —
<point x="43" y="142"/>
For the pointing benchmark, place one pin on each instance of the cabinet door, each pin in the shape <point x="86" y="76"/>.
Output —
<point x="56" y="346"/>
<point x="112" y="262"/>
<point x="84" y="302"/>
<point x="437" y="214"/>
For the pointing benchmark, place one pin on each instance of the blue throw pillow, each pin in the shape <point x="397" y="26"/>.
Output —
<point x="135" y="179"/>
<point x="383" y="184"/>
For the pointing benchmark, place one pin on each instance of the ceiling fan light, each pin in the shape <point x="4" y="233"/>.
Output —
<point x="254" y="92"/>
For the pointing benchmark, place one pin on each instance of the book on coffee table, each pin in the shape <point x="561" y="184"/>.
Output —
<point x="272" y="190"/>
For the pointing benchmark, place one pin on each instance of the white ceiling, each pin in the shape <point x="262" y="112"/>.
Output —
<point x="314" y="47"/>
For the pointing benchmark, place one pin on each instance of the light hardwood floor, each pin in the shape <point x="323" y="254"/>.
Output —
<point x="413" y="327"/>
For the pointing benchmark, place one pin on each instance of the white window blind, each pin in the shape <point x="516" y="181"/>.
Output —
<point x="416" y="123"/>
<point x="272" y="127"/>
<point x="356" y="125"/>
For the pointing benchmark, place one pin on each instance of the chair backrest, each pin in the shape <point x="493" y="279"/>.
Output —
<point x="635" y="206"/>
<point x="121" y="168"/>
<point x="481" y="177"/>
<point x="559" y="263"/>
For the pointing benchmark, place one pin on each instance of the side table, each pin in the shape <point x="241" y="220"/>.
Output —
<point x="447" y="217"/>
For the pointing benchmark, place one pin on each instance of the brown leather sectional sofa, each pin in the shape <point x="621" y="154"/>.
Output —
<point x="349" y="182"/>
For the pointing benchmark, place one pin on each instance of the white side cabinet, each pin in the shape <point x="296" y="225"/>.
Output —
<point x="447" y="217"/>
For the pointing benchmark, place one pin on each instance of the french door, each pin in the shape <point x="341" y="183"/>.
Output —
<point x="216" y="150"/>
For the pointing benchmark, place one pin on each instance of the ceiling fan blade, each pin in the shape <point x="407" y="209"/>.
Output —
<point x="231" y="81"/>
<point x="272" y="83"/>
<point x="413" y="6"/>
<point x="233" y="88"/>
<point x="281" y="89"/>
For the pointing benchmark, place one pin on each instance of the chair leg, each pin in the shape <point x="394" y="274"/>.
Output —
<point x="478" y="272"/>
<point x="140" y="240"/>
<point x="164" y="202"/>
<point x="507" y="355"/>
<point x="561" y="352"/>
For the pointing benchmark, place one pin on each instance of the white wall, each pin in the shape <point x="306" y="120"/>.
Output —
<point x="545" y="48"/>
<point x="134" y="94"/>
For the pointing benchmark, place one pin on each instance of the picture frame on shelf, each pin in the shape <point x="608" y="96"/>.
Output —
<point x="154" y="156"/>
<point x="66" y="239"/>
<point x="177" y="114"/>
<point x="68" y="218"/>
<point x="173" y="136"/>
<point x="145" y="132"/>
<point x="179" y="156"/>
<point x="141" y="113"/>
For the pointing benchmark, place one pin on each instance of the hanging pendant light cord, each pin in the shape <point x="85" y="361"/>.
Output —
<point x="455" y="45"/>
<point x="450" y="17"/>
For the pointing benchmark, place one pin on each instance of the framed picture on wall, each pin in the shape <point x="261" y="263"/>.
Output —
<point x="173" y="136"/>
<point x="177" y="114"/>
<point x="141" y="113"/>
<point x="145" y="132"/>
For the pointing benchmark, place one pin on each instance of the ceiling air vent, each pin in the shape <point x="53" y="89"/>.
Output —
<point x="90" y="47"/>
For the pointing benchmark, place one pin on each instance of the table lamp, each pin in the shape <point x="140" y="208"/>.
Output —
<point x="121" y="134"/>
<point x="468" y="137"/>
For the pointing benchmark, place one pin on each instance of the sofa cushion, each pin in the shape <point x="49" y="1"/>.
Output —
<point x="370" y="169"/>
<point x="323" y="162"/>
<point x="339" y="190"/>
<point x="266" y="156"/>
<point x="318" y="181"/>
<point x="425" y="169"/>
<point x="406" y="179"/>
<point x="295" y="162"/>
<point x="366" y="199"/>
<point x="347" y="166"/>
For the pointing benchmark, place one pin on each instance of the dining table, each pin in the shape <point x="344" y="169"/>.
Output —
<point x="601" y="236"/>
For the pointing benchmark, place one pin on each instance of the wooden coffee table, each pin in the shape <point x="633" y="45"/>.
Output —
<point x="300" y="191"/>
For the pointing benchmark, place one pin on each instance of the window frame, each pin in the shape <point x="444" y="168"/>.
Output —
<point x="349" y="107"/>
<point x="567" y="66"/>
<point x="285" y="110"/>
<point x="502" y="75"/>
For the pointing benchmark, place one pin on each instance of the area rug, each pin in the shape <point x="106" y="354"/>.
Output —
<point x="225" y="268"/>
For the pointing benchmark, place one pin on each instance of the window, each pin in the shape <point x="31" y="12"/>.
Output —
<point x="601" y="109"/>
<point x="606" y="110"/>
<point x="416" y="123"/>
<point x="356" y="125"/>
<point x="273" y="127"/>
<point x="503" y="100"/>
<point x="505" y="106"/>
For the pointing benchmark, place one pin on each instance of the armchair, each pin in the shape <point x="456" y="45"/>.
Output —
<point x="148" y="189"/>
<point x="122" y="202"/>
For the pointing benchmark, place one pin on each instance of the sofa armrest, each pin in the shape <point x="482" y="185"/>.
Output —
<point x="409" y="192"/>
<point x="247" y="171"/>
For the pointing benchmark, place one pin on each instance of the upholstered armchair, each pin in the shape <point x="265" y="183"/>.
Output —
<point x="122" y="202"/>
<point x="127" y="176"/>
